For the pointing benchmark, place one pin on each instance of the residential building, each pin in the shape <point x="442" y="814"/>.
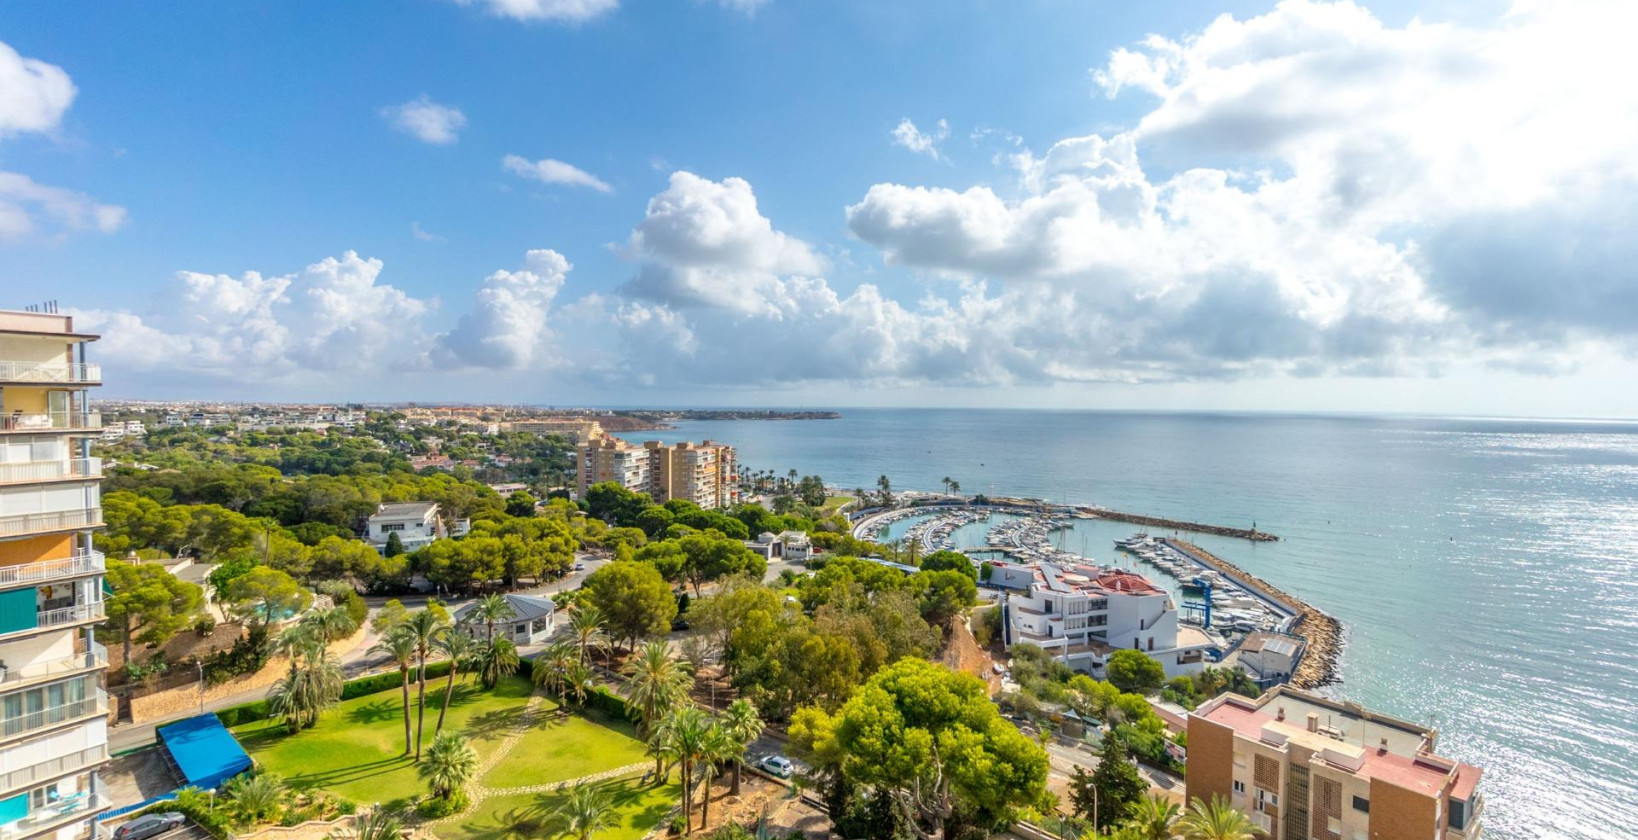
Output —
<point x="121" y="429"/>
<point x="1081" y="614"/>
<point x="612" y="459"/>
<point x="578" y="431"/>
<point x="785" y="545"/>
<point x="706" y="474"/>
<point x="533" y="619"/>
<point x="54" y="737"/>
<point x="1308" y="768"/>
<point x="1270" y="658"/>
<point x="417" y="524"/>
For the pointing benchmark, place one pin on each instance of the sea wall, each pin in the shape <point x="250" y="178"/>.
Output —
<point x="1178" y="525"/>
<point x="1321" y="632"/>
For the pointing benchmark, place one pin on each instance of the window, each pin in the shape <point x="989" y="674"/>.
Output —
<point x="1239" y="787"/>
<point x="393" y="526"/>
<point x="1362" y="805"/>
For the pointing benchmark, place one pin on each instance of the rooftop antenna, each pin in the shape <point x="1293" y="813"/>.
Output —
<point x="47" y="308"/>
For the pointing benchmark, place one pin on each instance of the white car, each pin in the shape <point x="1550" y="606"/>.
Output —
<point x="778" y="765"/>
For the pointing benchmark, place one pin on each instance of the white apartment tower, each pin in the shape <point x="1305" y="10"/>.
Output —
<point x="54" y="712"/>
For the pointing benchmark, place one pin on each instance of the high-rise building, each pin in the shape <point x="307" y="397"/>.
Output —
<point x="1308" y="768"/>
<point x="704" y="473"/>
<point x="54" y="710"/>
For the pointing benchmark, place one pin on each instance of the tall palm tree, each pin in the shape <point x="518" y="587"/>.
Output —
<point x="291" y="642"/>
<point x="313" y="685"/>
<point x="586" y="623"/>
<point x="720" y="746"/>
<point x="577" y="683"/>
<point x="552" y="667"/>
<point x="588" y="809"/>
<point x="497" y="660"/>
<point x="946" y="482"/>
<point x="689" y="741"/>
<point x="655" y="683"/>
<point x="458" y="645"/>
<point x="330" y="624"/>
<point x="743" y="723"/>
<point x="1153" y="817"/>
<point x="423" y="626"/>
<point x="955" y="486"/>
<point x="450" y="763"/>
<point x="1216" y="820"/>
<point x="399" y="645"/>
<point x="493" y="609"/>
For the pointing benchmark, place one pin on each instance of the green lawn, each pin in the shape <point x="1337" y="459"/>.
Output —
<point x="832" y="503"/>
<point x="357" y="748"/>
<point x="530" y="815"/>
<point x="567" y="746"/>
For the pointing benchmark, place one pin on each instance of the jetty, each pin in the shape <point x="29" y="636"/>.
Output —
<point x="1321" y="633"/>
<point x="1158" y="523"/>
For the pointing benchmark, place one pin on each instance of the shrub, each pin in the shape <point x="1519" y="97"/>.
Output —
<point x="247" y="656"/>
<point x="191" y="802"/>
<point x="204" y="625"/>
<point x="435" y="808"/>
<point x="606" y="702"/>
<point x="677" y="825"/>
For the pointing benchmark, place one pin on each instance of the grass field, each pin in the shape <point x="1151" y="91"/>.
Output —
<point x="832" y="503"/>
<point x="567" y="746"/>
<point x="530" y="815"/>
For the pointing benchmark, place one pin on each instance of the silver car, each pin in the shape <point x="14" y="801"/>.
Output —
<point x="150" y="825"/>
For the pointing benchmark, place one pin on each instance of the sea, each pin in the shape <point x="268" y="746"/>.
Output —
<point x="1485" y="570"/>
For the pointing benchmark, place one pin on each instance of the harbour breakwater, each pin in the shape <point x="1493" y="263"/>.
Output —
<point x="1178" y="525"/>
<point x="1321" y="634"/>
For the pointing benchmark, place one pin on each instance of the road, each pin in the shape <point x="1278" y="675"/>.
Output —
<point x="358" y="662"/>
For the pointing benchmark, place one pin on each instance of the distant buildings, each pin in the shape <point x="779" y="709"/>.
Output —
<point x="417" y="525"/>
<point x="55" y="737"/>
<point x="1081" y="614"/>
<point x="1306" y="767"/>
<point x="577" y="431"/>
<point x="704" y="473"/>
<point x="785" y="545"/>
<point x="121" y="429"/>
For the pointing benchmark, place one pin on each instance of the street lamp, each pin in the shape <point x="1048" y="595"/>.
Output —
<point x="201" y="666"/>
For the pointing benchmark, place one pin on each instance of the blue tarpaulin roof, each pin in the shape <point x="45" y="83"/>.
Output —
<point x="205" y="752"/>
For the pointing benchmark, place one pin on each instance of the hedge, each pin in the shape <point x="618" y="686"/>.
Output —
<point x="257" y="710"/>
<point x="606" y="702"/>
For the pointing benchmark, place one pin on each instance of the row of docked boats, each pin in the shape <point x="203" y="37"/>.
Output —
<point x="1232" y="606"/>
<point x="1029" y="539"/>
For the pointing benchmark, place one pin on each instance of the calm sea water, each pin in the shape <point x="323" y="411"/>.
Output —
<point x="1486" y="570"/>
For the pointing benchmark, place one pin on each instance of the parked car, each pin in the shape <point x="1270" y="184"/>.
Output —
<point x="579" y="566"/>
<point x="778" y="765"/>
<point x="150" y="825"/>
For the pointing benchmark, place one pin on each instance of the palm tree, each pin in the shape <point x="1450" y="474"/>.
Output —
<point x="689" y="741"/>
<point x="955" y="486"/>
<point x="458" y="645"/>
<point x="497" y="660"/>
<point x="399" y="645"/>
<point x="493" y="609"/>
<point x="946" y="482"/>
<point x="577" y="682"/>
<point x="256" y="796"/>
<point x="329" y="624"/>
<point x="655" y="683"/>
<point x="291" y="642"/>
<point x="1217" y="820"/>
<point x="375" y="825"/>
<point x="589" y="808"/>
<point x="552" y="667"/>
<point x="422" y="625"/>
<point x="450" y="763"/>
<point x="720" y="746"/>
<point x="1152" y="817"/>
<point x="586" y="623"/>
<point x="313" y="685"/>
<point x="743" y="723"/>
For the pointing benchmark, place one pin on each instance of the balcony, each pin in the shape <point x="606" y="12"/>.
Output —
<point x="53" y="421"/>
<point x="96" y="657"/>
<point x="94" y="705"/>
<point x="35" y="472"/>
<point x="28" y="524"/>
<point x="77" y="614"/>
<point x="48" y="373"/>
<point x="56" y="768"/>
<point x="80" y="806"/>
<point x="46" y="571"/>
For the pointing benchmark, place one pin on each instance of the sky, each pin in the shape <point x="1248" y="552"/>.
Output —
<point x="1315" y="206"/>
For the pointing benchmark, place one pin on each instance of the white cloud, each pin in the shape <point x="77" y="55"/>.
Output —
<point x="550" y="171"/>
<point x="508" y="325"/>
<point x="552" y="11"/>
<point x="34" y="95"/>
<point x="426" y="120"/>
<point x="907" y="135"/>
<point x="27" y="208"/>
<point x="748" y="7"/>
<point x="422" y="234"/>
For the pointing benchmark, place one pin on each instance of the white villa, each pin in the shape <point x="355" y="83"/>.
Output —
<point x="417" y="524"/>
<point x="533" y="620"/>
<point x="1081" y="614"/>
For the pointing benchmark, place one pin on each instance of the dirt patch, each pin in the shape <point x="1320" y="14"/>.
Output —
<point x="138" y="777"/>
<point x="760" y="798"/>
<point x="962" y="653"/>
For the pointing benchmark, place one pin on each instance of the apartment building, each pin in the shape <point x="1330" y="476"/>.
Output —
<point x="53" y="709"/>
<point x="1308" y="768"/>
<point x="1082" y="614"/>
<point x="704" y="473"/>
<point x="577" y="431"/>
<point x="612" y="459"/>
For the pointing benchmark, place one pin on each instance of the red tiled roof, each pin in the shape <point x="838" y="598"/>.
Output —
<point x="1116" y="580"/>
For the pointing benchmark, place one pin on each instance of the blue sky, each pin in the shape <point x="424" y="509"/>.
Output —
<point x="1004" y="259"/>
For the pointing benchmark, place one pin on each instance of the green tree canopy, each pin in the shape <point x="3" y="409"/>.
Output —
<point x="263" y="595"/>
<point x="1134" y="671"/>
<point x="148" y="604"/>
<point x="951" y="561"/>
<point x="633" y="598"/>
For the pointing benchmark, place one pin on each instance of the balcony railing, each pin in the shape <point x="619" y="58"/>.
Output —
<point x="26" y="472"/>
<point x="50" y="373"/>
<point x="44" y="571"/>
<point x="91" y="611"/>
<point x="53" y="421"/>
<point x="96" y="657"/>
<point x="27" y="777"/>
<point x="56" y="520"/>
<point x="77" y="806"/>
<point x="94" y="704"/>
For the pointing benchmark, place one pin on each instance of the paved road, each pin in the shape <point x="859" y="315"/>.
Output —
<point x="358" y="662"/>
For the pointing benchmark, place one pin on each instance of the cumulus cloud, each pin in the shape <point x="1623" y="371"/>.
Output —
<point x="331" y="318"/>
<point x="550" y="11"/>
<point x="426" y="120"/>
<point x="906" y="134"/>
<point x="34" y="95"/>
<point x="550" y="171"/>
<point x="28" y="208"/>
<point x="508" y="325"/>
